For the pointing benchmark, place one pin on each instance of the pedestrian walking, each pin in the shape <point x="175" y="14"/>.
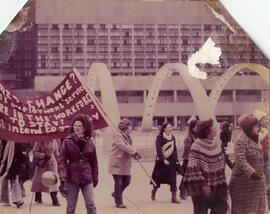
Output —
<point x="204" y="178"/>
<point x="247" y="187"/>
<point x="120" y="160"/>
<point x="190" y="138"/>
<point x="263" y="119"/>
<point x="12" y="177"/>
<point x="166" y="164"/>
<point x="78" y="165"/>
<point x="46" y="155"/>
<point x="225" y="137"/>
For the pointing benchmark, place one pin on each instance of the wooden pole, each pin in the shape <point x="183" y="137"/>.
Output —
<point x="107" y="117"/>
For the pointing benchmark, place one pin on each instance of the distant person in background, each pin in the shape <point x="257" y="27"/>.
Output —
<point x="45" y="154"/>
<point x="204" y="178"/>
<point x="190" y="138"/>
<point x="247" y="184"/>
<point x="226" y="137"/>
<point x="166" y="165"/>
<point x="263" y="119"/>
<point x="13" y="176"/>
<point x="120" y="157"/>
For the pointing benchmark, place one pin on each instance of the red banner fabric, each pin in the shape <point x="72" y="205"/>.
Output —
<point x="48" y="117"/>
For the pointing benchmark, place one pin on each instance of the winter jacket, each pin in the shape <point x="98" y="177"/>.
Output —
<point x="121" y="155"/>
<point x="78" y="164"/>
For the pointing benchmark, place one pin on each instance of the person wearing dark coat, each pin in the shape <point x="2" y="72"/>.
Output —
<point x="191" y="137"/>
<point x="78" y="165"/>
<point x="12" y="176"/>
<point x="225" y="137"/>
<point x="166" y="162"/>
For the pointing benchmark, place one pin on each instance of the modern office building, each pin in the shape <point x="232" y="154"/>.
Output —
<point x="18" y="72"/>
<point x="134" y="39"/>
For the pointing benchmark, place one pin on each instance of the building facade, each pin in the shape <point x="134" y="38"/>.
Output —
<point x="134" y="39"/>
<point x="19" y="71"/>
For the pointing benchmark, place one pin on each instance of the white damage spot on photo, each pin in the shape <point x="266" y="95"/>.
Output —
<point x="221" y="18"/>
<point x="208" y="53"/>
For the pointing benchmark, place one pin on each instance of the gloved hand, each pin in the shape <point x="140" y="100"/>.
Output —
<point x="179" y="169"/>
<point x="166" y="162"/>
<point x="95" y="183"/>
<point x="206" y="191"/>
<point x="137" y="156"/>
<point x="63" y="188"/>
<point x="47" y="156"/>
<point x="255" y="176"/>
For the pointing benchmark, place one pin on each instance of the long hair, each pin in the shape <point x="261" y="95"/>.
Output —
<point x="191" y="126"/>
<point x="87" y="124"/>
<point x="163" y="127"/>
<point x="203" y="128"/>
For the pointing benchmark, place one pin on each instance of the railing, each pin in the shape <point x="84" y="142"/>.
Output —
<point x="149" y="154"/>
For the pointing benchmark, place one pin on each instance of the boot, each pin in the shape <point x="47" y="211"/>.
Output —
<point x="38" y="198"/>
<point x="153" y="193"/>
<point x="55" y="201"/>
<point x="121" y="206"/>
<point x="175" y="200"/>
<point x="18" y="203"/>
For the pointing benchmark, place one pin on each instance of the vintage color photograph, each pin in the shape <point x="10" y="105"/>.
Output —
<point x="132" y="107"/>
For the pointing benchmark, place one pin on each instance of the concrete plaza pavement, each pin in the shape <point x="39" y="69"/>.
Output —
<point x="137" y="196"/>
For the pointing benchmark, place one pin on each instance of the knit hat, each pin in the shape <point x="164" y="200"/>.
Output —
<point x="124" y="124"/>
<point x="259" y="114"/>
<point x="247" y="121"/>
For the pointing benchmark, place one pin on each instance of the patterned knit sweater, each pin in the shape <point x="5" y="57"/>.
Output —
<point x="206" y="167"/>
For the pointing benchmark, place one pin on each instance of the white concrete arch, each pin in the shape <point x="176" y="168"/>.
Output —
<point x="198" y="93"/>
<point x="229" y="73"/>
<point x="98" y="72"/>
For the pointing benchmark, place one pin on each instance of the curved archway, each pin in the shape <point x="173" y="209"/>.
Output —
<point x="229" y="73"/>
<point x="194" y="85"/>
<point x="99" y="72"/>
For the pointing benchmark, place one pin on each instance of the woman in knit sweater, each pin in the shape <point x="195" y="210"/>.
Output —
<point x="204" y="178"/>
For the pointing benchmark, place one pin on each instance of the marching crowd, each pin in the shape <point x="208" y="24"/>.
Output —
<point x="74" y="161"/>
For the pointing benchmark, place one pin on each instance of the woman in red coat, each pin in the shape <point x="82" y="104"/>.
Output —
<point x="78" y="166"/>
<point x="45" y="154"/>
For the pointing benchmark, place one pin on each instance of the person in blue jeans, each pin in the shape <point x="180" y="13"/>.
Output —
<point x="121" y="154"/>
<point x="78" y="165"/>
<point x="12" y="176"/>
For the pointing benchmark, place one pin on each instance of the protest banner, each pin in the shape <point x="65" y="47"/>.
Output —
<point x="50" y="116"/>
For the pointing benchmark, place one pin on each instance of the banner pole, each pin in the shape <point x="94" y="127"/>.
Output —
<point x="95" y="100"/>
<point x="107" y="117"/>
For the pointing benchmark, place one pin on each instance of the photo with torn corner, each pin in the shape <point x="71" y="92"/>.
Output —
<point x="132" y="106"/>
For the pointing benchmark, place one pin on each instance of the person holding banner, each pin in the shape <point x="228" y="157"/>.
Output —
<point x="78" y="165"/>
<point x="45" y="155"/>
<point x="120" y="160"/>
<point x="167" y="164"/>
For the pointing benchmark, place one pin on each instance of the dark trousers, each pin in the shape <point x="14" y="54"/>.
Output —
<point x="227" y="159"/>
<point x="121" y="182"/>
<point x="173" y="187"/>
<point x="216" y="202"/>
